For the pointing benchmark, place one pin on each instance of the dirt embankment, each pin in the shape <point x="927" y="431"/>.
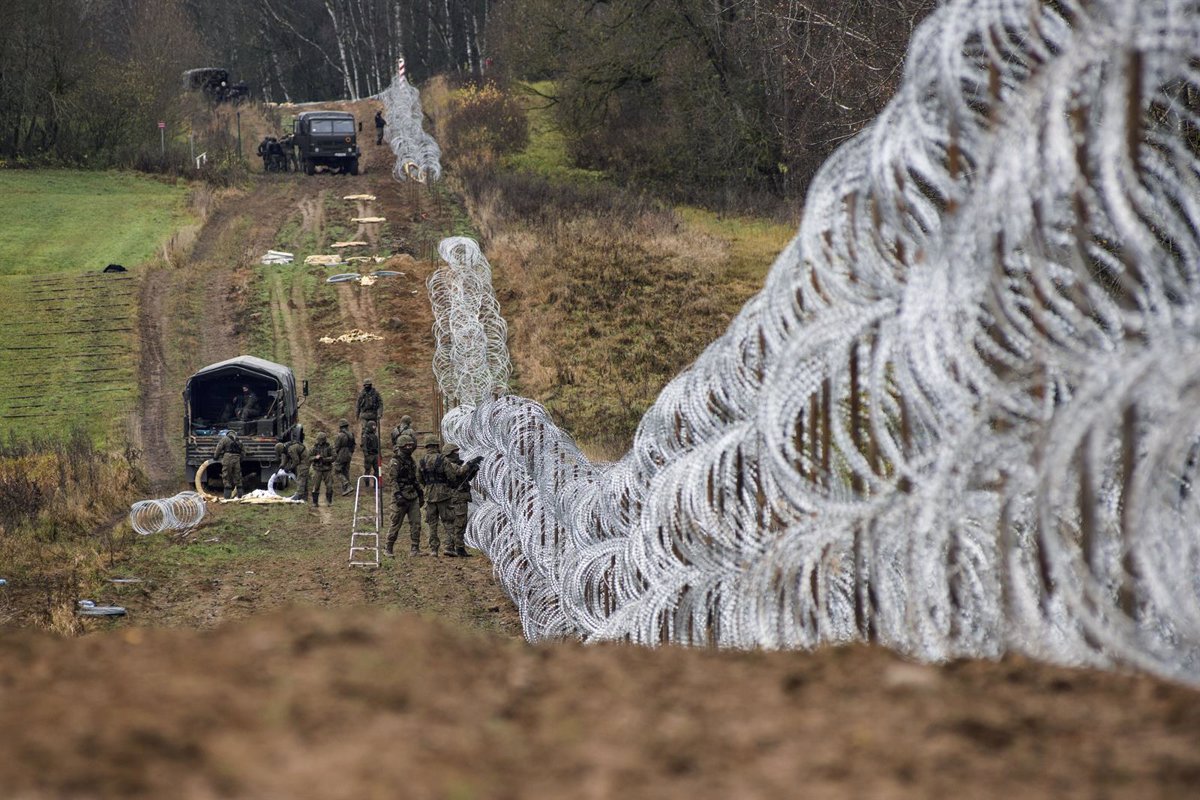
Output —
<point x="375" y="705"/>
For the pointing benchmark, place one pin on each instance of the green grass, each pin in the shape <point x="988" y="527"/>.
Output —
<point x="65" y="220"/>
<point x="67" y="340"/>
<point x="754" y="242"/>
<point x="546" y="153"/>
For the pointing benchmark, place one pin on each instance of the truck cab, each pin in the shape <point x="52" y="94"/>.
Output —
<point x="328" y="139"/>
<point x="254" y="397"/>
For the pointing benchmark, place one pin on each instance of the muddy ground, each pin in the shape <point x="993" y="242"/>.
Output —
<point x="361" y="703"/>
<point x="254" y="663"/>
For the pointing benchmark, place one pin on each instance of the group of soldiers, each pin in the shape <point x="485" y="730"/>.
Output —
<point x="439" y="481"/>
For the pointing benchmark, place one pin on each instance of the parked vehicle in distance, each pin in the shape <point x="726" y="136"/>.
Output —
<point x="214" y="82"/>
<point x="326" y="139"/>
<point x="213" y="401"/>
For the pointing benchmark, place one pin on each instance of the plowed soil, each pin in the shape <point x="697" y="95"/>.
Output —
<point x="254" y="663"/>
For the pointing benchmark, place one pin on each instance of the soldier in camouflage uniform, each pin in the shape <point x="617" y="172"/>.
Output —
<point x="284" y="443"/>
<point x="369" y="405"/>
<point x="432" y="473"/>
<point x="370" y="449"/>
<point x="229" y="453"/>
<point x="404" y="427"/>
<point x="458" y="476"/>
<point x="321" y="459"/>
<point x="407" y="496"/>
<point x="298" y="459"/>
<point x="343" y="448"/>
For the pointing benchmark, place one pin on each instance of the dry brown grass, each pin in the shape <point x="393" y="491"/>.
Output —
<point x="57" y="502"/>
<point x="608" y="292"/>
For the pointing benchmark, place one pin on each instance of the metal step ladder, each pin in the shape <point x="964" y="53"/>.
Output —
<point x="364" y="531"/>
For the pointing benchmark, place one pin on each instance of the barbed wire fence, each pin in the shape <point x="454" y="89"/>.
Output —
<point x="418" y="156"/>
<point x="961" y="417"/>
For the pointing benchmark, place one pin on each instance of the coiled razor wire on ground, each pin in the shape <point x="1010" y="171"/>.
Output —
<point x="418" y="157"/>
<point x="182" y="512"/>
<point x="960" y="418"/>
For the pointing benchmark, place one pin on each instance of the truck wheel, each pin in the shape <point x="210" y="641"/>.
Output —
<point x="354" y="167"/>
<point x="309" y="167"/>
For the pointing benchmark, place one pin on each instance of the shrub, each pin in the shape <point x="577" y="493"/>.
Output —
<point x="484" y="120"/>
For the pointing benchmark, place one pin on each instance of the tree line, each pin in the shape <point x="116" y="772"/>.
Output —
<point x="696" y="96"/>
<point x="85" y="82"/>
<point x="709" y="95"/>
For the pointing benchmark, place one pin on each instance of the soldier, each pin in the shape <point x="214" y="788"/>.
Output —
<point x="404" y="427"/>
<point x="246" y="405"/>
<point x="379" y="123"/>
<point x="432" y="474"/>
<point x="297" y="458"/>
<point x="343" y="448"/>
<point x="370" y="404"/>
<point x="370" y="450"/>
<point x="229" y="453"/>
<point x="407" y="496"/>
<point x="458" y="477"/>
<point x="321" y="459"/>
<point x="282" y="445"/>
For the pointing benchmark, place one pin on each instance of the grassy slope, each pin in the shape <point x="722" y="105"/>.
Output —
<point x="67" y="221"/>
<point x="67" y="342"/>
<point x="604" y="309"/>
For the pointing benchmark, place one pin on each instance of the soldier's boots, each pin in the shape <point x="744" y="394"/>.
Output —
<point x="315" y="495"/>
<point x="347" y="491"/>
<point x="462" y="553"/>
<point x="413" y="550"/>
<point x="451" y="553"/>
<point x="225" y="493"/>
<point x="329" y="497"/>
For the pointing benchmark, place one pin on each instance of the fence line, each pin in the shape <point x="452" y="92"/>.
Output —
<point x="959" y="419"/>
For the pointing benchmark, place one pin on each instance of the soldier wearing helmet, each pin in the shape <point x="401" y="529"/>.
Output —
<point x="321" y="459"/>
<point x="458" y="478"/>
<point x="370" y="403"/>
<point x="229" y="453"/>
<point x="432" y="474"/>
<point x="404" y="427"/>
<point x="407" y="495"/>
<point x="370" y="449"/>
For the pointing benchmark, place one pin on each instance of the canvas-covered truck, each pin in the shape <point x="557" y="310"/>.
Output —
<point x="252" y="396"/>
<point x="326" y="139"/>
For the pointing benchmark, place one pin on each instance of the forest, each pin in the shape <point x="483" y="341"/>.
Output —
<point x="700" y="98"/>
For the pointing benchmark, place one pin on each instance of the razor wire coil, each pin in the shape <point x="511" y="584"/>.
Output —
<point x="182" y="512"/>
<point x="960" y="417"/>
<point x="418" y="156"/>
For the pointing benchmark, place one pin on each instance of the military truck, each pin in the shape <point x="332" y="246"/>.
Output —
<point x="215" y="84"/>
<point x="326" y="139"/>
<point x="213" y="402"/>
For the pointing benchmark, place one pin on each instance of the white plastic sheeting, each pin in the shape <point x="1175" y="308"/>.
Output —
<point x="961" y="418"/>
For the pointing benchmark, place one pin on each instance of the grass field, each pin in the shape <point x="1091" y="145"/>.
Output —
<point x="68" y="347"/>
<point x="546" y="153"/>
<point x="65" y="221"/>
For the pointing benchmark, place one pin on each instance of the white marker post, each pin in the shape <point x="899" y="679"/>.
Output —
<point x="162" y="137"/>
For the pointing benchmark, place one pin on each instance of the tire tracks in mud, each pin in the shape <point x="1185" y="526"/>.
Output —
<point x="152" y="370"/>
